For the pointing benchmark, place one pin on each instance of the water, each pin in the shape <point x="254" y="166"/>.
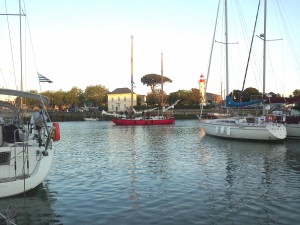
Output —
<point x="106" y="174"/>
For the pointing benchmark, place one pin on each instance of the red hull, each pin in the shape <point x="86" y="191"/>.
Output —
<point x="143" y="121"/>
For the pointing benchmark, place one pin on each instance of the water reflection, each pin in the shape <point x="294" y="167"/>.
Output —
<point x="292" y="156"/>
<point x="32" y="209"/>
<point x="106" y="174"/>
<point x="256" y="179"/>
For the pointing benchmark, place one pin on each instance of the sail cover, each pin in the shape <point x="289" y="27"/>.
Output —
<point x="231" y="103"/>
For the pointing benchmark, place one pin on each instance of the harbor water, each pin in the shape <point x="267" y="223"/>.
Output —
<point x="174" y="174"/>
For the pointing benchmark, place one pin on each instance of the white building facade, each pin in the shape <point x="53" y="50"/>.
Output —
<point x="120" y="100"/>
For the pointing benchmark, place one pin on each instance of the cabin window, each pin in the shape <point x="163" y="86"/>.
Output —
<point x="118" y="98"/>
<point x="112" y="107"/>
<point x="112" y="99"/>
<point x="125" y="98"/>
<point x="4" y="158"/>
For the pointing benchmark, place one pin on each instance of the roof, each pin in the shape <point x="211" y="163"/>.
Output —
<point x="121" y="91"/>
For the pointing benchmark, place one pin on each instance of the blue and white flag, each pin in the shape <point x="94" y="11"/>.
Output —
<point x="43" y="78"/>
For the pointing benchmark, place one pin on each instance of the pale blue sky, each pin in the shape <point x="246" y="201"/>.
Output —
<point x="87" y="42"/>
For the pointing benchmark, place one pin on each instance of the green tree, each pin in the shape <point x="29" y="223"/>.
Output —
<point x="236" y="95"/>
<point x="96" y="94"/>
<point x="296" y="92"/>
<point x="182" y="95"/>
<point x="152" y="99"/>
<point x="248" y="92"/>
<point x="50" y="95"/>
<point x="59" y="99"/>
<point x="194" y="97"/>
<point x="74" y="96"/>
<point x="154" y="80"/>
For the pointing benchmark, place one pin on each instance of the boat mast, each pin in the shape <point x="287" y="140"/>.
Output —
<point x="226" y="46"/>
<point x="21" y="53"/>
<point x="162" y="82"/>
<point x="226" y="49"/>
<point x="131" y="106"/>
<point x="264" y="53"/>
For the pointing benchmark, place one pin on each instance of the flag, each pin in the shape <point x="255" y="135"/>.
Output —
<point x="43" y="78"/>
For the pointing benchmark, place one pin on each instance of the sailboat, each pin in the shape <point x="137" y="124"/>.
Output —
<point x="250" y="128"/>
<point x="145" y="118"/>
<point x="26" y="140"/>
<point x="290" y="119"/>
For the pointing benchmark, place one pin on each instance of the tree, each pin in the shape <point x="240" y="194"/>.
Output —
<point x="296" y="92"/>
<point x="248" y="92"/>
<point x="60" y="100"/>
<point x="96" y="94"/>
<point x="50" y="95"/>
<point x="152" y="99"/>
<point x="182" y="95"/>
<point x="195" y="97"/>
<point x="236" y="95"/>
<point x="73" y="96"/>
<point x="154" y="80"/>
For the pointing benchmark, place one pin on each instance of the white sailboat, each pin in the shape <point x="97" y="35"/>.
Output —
<point x="244" y="128"/>
<point x="25" y="141"/>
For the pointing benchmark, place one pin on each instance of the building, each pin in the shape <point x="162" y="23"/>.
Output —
<point x="120" y="100"/>
<point x="213" y="98"/>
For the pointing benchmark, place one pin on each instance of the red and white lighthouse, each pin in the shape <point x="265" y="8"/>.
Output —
<point x="202" y="83"/>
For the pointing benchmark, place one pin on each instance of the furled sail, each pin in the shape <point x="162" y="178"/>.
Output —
<point x="231" y="103"/>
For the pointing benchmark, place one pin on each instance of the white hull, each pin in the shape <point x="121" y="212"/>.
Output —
<point x="90" y="119"/>
<point x="267" y="132"/>
<point x="293" y="131"/>
<point x="11" y="180"/>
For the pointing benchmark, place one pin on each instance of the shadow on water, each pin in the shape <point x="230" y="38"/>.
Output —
<point x="33" y="208"/>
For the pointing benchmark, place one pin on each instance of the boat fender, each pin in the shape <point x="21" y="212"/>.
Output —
<point x="56" y="132"/>
<point x="270" y="118"/>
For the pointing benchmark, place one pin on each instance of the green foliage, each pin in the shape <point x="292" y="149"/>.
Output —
<point x="96" y="94"/>
<point x="244" y="96"/>
<point x="296" y="92"/>
<point x="154" y="80"/>
<point x="191" y="97"/>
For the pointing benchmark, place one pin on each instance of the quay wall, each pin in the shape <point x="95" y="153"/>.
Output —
<point x="177" y="113"/>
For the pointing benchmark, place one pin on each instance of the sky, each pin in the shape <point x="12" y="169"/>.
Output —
<point x="80" y="43"/>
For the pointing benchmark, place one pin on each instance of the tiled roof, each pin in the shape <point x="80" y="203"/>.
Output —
<point x="121" y="91"/>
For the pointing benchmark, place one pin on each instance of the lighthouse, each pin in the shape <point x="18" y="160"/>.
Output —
<point x="202" y="83"/>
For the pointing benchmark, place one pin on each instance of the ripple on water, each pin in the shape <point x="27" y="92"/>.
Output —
<point x="106" y="174"/>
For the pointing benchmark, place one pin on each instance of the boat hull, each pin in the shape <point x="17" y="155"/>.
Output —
<point x="90" y="119"/>
<point x="13" y="182"/>
<point x="133" y="122"/>
<point x="268" y="132"/>
<point x="293" y="131"/>
<point x="292" y="124"/>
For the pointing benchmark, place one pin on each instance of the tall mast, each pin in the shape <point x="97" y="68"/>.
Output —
<point x="162" y="80"/>
<point x="226" y="52"/>
<point x="21" y="53"/>
<point x="264" y="53"/>
<point x="131" y="107"/>
<point x="226" y="44"/>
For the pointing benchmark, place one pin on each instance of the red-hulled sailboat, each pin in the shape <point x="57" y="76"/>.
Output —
<point x="145" y="118"/>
